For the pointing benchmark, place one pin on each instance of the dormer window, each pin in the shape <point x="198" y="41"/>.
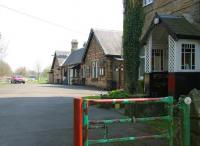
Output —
<point x="147" y="2"/>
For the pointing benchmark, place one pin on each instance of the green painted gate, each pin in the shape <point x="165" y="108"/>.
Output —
<point x="87" y="124"/>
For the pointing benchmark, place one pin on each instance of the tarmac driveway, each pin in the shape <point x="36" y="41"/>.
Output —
<point x="38" y="115"/>
<point x="42" y="115"/>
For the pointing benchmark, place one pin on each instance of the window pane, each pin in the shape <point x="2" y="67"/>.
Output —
<point x="182" y="60"/>
<point x="187" y="61"/>
<point x="152" y="60"/>
<point x="188" y="56"/>
<point x="187" y="50"/>
<point x="193" y="59"/>
<point x="157" y="60"/>
<point x="146" y="2"/>
<point x="193" y="46"/>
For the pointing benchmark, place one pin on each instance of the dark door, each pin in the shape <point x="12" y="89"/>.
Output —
<point x="159" y="84"/>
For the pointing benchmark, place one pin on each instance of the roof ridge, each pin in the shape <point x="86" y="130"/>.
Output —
<point x="107" y="30"/>
<point x="101" y="36"/>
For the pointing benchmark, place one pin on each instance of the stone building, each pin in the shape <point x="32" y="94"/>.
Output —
<point x="72" y="66"/>
<point x="56" y="74"/>
<point x="171" y="44"/>
<point x="103" y="63"/>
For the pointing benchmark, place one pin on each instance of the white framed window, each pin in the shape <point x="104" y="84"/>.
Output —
<point x="75" y="73"/>
<point x="101" y="71"/>
<point x="94" y="69"/>
<point x="188" y="57"/>
<point x="147" y="2"/>
<point x="84" y="71"/>
<point x="88" y="71"/>
<point x="157" y="60"/>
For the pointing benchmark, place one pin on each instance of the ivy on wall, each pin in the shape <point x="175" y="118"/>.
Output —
<point x="133" y="23"/>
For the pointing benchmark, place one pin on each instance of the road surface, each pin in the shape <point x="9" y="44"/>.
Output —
<point x="42" y="115"/>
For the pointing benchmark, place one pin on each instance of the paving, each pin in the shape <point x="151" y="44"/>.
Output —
<point x="42" y="115"/>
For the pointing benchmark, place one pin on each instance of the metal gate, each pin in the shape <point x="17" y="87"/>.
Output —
<point x="82" y="124"/>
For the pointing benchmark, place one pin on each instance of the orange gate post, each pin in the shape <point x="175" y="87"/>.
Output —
<point x="78" y="122"/>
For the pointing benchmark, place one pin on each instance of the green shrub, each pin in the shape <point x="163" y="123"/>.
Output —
<point x="116" y="94"/>
<point x="92" y="97"/>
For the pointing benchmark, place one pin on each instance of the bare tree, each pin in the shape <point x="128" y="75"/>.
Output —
<point x="21" y="71"/>
<point x="5" y="69"/>
<point x="3" y="47"/>
<point x="45" y="72"/>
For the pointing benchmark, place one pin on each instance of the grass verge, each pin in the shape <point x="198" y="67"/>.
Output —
<point x="2" y="84"/>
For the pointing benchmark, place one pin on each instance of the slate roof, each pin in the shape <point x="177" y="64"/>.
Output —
<point x="177" y="26"/>
<point x="61" y="56"/>
<point x="76" y="57"/>
<point x="109" y="40"/>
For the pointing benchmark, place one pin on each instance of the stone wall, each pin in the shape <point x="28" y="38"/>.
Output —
<point x="179" y="7"/>
<point x="57" y="73"/>
<point x="96" y="53"/>
<point x="195" y="117"/>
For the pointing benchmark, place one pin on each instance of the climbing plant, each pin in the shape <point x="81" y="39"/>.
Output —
<point x="133" y="23"/>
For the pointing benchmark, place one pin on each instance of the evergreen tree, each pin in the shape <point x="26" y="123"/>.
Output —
<point x="133" y="23"/>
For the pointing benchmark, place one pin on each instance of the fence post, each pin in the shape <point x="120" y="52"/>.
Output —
<point x="185" y="108"/>
<point x="170" y="112"/>
<point x="186" y="121"/>
<point x="78" y="122"/>
<point x="85" y="122"/>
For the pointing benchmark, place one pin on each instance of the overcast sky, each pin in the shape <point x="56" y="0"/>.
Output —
<point x="34" y="29"/>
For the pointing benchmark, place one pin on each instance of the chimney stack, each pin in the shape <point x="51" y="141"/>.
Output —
<point x="74" y="44"/>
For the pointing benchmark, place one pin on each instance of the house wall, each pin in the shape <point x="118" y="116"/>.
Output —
<point x="57" y="78"/>
<point x="191" y="9"/>
<point x="95" y="53"/>
<point x="178" y="55"/>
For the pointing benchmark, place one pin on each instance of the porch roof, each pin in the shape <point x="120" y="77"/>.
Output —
<point x="177" y="26"/>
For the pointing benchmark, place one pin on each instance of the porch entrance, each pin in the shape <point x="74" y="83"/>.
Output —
<point x="156" y="77"/>
<point x="171" y="55"/>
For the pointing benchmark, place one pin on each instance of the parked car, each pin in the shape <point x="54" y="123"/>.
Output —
<point x="17" y="79"/>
